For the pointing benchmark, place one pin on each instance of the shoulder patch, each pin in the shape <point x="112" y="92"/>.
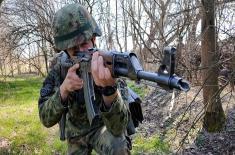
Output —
<point x="46" y="90"/>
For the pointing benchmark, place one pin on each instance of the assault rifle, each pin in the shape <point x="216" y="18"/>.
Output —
<point x="126" y="64"/>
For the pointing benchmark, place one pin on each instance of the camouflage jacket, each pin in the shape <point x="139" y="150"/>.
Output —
<point x="77" y="125"/>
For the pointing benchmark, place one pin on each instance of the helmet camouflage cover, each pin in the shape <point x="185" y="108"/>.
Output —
<point x="73" y="25"/>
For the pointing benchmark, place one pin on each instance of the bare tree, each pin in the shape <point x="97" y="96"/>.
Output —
<point x="154" y="25"/>
<point x="105" y="23"/>
<point x="30" y="22"/>
<point x="116" y="26"/>
<point x="214" y="118"/>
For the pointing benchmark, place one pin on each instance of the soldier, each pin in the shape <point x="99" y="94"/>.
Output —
<point x="76" y="30"/>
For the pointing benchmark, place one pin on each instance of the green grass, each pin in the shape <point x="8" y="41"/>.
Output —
<point x="152" y="145"/>
<point x="20" y="124"/>
<point x="19" y="91"/>
<point x="21" y="127"/>
<point x="139" y="89"/>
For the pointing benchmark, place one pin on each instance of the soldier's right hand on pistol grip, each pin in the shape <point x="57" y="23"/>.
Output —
<point x="71" y="83"/>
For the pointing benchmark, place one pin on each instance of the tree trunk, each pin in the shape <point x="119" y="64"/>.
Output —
<point x="1" y="2"/>
<point x="178" y="66"/>
<point x="232" y="66"/>
<point x="11" y="65"/>
<point x="1" y="67"/>
<point x="18" y="66"/>
<point x="29" y="61"/>
<point x="125" y="23"/>
<point x="116" y="28"/>
<point x="214" y="118"/>
<point x="38" y="59"/>
<point x="45" y="55"/>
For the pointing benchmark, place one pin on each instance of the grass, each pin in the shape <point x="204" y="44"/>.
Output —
<point x="20" y="124"/>
<point x="152" y="145"/>
<point x="19" y="91"/>
<point x="21" y="127"/>
<point x="138" y="88"/>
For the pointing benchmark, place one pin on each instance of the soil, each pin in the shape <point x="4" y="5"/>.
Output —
<point x="4" y="145"/>
<point x="179" y="122"/>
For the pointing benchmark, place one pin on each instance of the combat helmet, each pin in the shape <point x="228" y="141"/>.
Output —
<point x="73" y="25"/>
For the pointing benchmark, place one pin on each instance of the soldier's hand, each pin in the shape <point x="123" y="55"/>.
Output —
<point x="100" y="73"/>
<point x="102" y="77"/>
<point x="71" y="83"/>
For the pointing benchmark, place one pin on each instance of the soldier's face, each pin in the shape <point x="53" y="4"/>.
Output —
<point x="85" y="45"/>
<point x="82" y="47"/>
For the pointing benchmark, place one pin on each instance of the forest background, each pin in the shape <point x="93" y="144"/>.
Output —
<point x="203" y="33"/>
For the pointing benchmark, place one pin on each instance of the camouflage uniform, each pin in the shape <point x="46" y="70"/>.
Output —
<point x="107" y="135"/>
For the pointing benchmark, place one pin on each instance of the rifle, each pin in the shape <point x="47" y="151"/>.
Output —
<point x="127" y="65"/>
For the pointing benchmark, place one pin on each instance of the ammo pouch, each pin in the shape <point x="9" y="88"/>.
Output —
<point x="134" y="103"/>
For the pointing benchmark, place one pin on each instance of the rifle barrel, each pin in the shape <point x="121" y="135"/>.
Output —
<point x="172" y="81"/>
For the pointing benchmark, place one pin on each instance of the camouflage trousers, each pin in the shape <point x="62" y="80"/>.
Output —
<point x="102" y="141"/>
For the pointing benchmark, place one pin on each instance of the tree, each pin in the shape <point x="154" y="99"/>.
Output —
<point x="29" y="23"/>
<point x="214" y="118"/>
